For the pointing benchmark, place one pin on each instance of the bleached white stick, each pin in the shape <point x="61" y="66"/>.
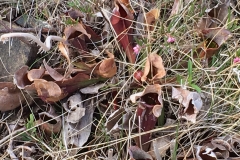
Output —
<point x="45" y="46"/>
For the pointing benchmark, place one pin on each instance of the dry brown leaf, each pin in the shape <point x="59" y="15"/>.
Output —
<point x="81" y="28"/>
<point x="48" y="91"/>
<point x="153" y="67"/>
<point x="127" y="4"/>
<point x="74" y="108"/>
<point x="93" y="35"/>
<point x="79" y="43"/>
<point x="70" y="31"/>
<point x="10" y="96"/>
<point x="65" y="52"/>
<point x="49" y="123"/>
<point x="120" y="119"/>
<point x="52" y="72"/>
<point x="108" y="68"/>
<point x="191" y="102"/>
<point x="35" y="74"/>
<point x="151" y="18"/>
<point x="221" y="144"/>
<point x="75" y="14"/>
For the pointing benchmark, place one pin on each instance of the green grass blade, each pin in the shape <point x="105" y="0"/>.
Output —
<point x="190" y="71"/>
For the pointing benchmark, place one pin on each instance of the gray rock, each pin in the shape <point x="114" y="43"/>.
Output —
<point x="15" y="55"/>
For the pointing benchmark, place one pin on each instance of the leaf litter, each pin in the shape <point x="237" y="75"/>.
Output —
<point x="119" y="86"/>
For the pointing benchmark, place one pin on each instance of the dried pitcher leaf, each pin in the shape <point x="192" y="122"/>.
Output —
<point x="191" y="102"/>
<point x="94" y="37"/>
<point x="220" y="147"/>
<point x="216" y="16"/>
<point x="77" y="134"/>
<point x="160" y="146"/>
<point x="20" y="77"/>
<point x="151" y="89"/>
<point x="50" y="123"/>
<point x="10" y="96"/>
<point x="235" y="143"/>
<point x="137" y="154"/>
<point x="80" y="44"/>
<point x="35" y="74"/>
<point x="151" y="18"/>
<point x="121" y="21"/>
<point x="52" y="72"/>
<point x="212" y="28"/>
<point x="205" y="153"/>
<point x="74" y="108"/>
<point x="153" y="67"/>
<point x="150" y="107"/>
<point x="79" y="81"/>
<point x="113" y="119"/>
<point x="92" y="89"/>
<point x="218" y="35"/>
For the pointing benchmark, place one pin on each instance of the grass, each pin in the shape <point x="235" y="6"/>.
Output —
<point x="214" y="80"/>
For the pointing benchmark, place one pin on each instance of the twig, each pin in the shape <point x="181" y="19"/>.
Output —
<point x="10" y="151"/>
<point x="156" y="151"/>
<point x="10" y="135"/>
<point x="32" y="30"/>
<point x="6" y="27"/>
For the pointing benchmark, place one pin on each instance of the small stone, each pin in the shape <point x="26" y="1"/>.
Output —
<point x="14" y="56"/>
